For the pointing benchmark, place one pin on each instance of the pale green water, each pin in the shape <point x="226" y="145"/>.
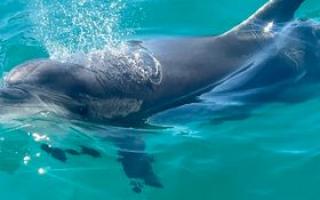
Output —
<point x="274" y="153"/>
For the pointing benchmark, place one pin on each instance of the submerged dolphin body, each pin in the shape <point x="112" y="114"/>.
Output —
<point x="149" y="76"/>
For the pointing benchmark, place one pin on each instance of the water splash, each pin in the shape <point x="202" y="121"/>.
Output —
<point x="77" y="26"/>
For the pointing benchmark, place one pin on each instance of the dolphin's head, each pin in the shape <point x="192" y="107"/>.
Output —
<point x="314" y="41"/>
<point x="316" y="32"/>
<point x="308" y="32"/>
<point x="305" y="35"/>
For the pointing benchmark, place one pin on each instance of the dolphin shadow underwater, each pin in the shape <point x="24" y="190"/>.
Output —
<point x="259" y="58"/>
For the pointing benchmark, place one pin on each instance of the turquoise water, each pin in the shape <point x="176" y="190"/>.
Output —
<point x="272" y="153"/>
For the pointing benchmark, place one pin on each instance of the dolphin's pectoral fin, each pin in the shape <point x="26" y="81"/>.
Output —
<point x="136" y="164"/>
<point x="274" y="12"/>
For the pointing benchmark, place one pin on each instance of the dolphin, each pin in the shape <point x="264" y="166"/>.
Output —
<point x="149" y="76"/>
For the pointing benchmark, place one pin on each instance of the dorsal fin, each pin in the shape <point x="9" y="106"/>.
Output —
<point x="274" y="11"/>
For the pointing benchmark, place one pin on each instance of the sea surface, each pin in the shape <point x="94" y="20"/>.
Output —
<point x="269" y="152"/>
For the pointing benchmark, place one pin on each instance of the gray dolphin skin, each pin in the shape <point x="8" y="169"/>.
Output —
<point x="268" y="49"/>
<point x="152" y="75"/>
